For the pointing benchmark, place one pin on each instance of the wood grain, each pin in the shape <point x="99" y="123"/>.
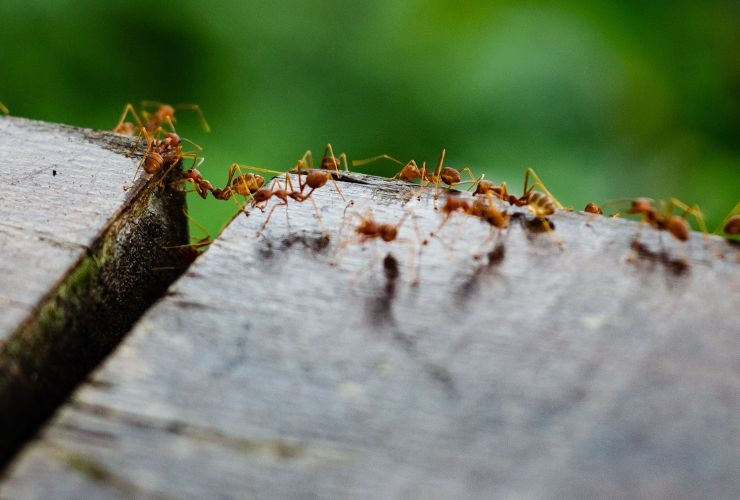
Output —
<point x="79" y="260"/>
<point x="305" y="363"/>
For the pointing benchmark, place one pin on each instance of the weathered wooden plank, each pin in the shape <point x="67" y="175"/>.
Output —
<point x="296" y="365"/>
<point x="79" y="260"/>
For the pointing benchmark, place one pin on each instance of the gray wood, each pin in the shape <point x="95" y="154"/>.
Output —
<point x="48" y="220"/>
<point x="79" y="255"/>
<point x="292" y="365"/>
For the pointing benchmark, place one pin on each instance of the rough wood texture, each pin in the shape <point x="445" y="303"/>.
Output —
<point x="293" y="365"/>
<point x="79" y="260"/>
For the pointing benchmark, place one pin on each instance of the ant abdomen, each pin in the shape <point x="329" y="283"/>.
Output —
<point x="541" y="204"/>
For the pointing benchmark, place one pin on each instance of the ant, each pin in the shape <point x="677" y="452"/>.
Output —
<point x="243" y="184"/>
<point x="410" y="171"/>
<point x="731" y="224"/>
<point x="541" y="204"/>
<point x="484" y="210"/>
<point x="163" y="155"/>
<point x="370" y="229"/>
<point x="153" y="121"/>
<point x="314" y="180"/>
<point x="662" y="218"/>
<point x="328" y="160"/>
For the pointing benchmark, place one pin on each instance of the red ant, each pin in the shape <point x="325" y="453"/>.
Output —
<point x="163" y="155"/>
<point x="153" y="121"/>
<point x="243" y="184"/>
<point x="541" y="204"/>
<point x="410" y="171"/>
<point x="314" y="180"/>
<point x="370" y="229"/>
<point x="663" y="219"/>
<point x="484" y="210"/>
<point x="328" y="160"/>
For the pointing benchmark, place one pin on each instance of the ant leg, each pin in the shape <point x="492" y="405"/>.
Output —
<point x="336" y="187"/>
<point x="202" y="117"/>
<point x="129" y="109"/>
<point x="358" y="163"/>
<point x="195" y="242"/>
<point x="272" y="210"/>
<point x="170" y="122"/>
<point x="149" y="147"/>
<point x="538" y="183"/>
<point x="317" y="214"/>
<point x="3" y="109"/>
<point x="343" y="159"/>
<point x="330" y="151"/>
<point x="694" y="210"/>
<point x="440" y="164"/>
<point x="416" y="276"/>
<point x="198" y="149"/>
<point x="306" y="160"/>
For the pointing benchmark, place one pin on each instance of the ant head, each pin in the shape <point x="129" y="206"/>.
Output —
<point x="410" y="172"/>
<point x="172" y="139"/>
<point x="483" y="187"/>
<point x="126" y="128"/>
<point x="165" y="112"/>
<point x="641" y="206"/>
<point x="678" y="227"/>
<point x="450" y="176"/>
<point x="593" y="208"/>
<point x="388" y="232"/>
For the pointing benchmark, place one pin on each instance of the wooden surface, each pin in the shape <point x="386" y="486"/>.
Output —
<point x="78" y="260"/>
<point x="59" y="190"/>
<point x="523" y="365"/>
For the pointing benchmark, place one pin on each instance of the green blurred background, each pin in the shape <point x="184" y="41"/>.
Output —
<point x="606" y="101"/>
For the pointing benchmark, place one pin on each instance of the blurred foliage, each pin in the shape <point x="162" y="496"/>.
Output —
<point x="604" y="100"/>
